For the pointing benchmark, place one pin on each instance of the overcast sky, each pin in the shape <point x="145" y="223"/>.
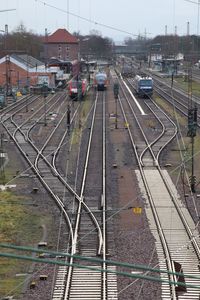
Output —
<point x="131" y="16"/>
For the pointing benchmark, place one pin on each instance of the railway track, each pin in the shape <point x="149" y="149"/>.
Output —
<point x="85" y="217"/>
<point x="177" y="239"/>
<point x="89" y="219"/>
<point x="83" y="204"/>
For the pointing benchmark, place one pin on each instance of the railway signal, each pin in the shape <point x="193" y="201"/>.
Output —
<point x="79" y="88"/>
<point x="193" y="181"/>
<point x="116" y="90"/>
<point x="68" y="117"/>
<point x="116" y="93"/>
<point x="45" y="93"/>
<point x="192" y="127"/>
<point x="192" y="122"/>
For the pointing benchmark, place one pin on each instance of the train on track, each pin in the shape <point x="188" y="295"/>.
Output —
<point x="143" y="86"/>
<point x="2" y="100"/>
<point x="100" y="81"/>
<point x="77" y="88"/>
<point x="127" y="70"/>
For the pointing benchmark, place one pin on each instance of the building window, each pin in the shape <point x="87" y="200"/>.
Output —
<point x="67" y="48"/>
<point x="59" y="48"/>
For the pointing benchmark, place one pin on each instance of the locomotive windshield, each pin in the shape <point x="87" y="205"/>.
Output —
<point x="74" y="84"/>
<point x="145" y="82"/>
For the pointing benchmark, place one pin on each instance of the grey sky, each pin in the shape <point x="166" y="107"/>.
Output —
<point x="133" y="16"/>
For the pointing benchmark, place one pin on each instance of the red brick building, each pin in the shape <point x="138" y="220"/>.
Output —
<point x="62" y="45"/>
<point x="22" y="70"/>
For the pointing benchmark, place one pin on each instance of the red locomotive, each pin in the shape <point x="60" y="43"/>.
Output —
<point x="77" y="88"/>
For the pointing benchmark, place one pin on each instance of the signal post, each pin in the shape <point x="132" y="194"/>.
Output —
<point x="116" y="93"/>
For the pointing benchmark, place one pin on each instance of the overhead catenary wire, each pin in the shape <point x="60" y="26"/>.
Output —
<point x="190" y="1"/>
<point x="86" y="19"/>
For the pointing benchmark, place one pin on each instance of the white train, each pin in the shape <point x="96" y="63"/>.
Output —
<point x="100" y="81"/>
<point x="143" y="86"/>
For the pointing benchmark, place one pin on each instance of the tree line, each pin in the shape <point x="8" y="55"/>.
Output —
<point x="22" y="41"/>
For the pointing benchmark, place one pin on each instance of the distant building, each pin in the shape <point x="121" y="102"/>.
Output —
<point x="62" y="45"/>
<point x="23" y="70"/>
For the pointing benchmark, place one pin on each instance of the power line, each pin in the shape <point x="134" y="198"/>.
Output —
<point x="126" y="274"/>
<point x="86" y="19"/>
<point x="4" y="10"/>
<point x="83" y="258"/>
<point x="190" y="1"/>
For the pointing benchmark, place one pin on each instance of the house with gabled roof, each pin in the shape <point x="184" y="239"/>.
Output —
<point x="23" y="70"/>
<point x="62" y="45"/>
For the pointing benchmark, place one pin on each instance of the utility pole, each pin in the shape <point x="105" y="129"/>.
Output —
<point x="192" y="127"/>
<point x="2" y="159"/>
<point x="8" y="81"/>
<point x="46" y="48"/>
<point x="5" y="37"/>
<point x="198" y="19"/>
<point x="165" y="29"/>
<point x="188" y="28"/>
<point x="68" y="15"/>
<point x="175" y="30"/>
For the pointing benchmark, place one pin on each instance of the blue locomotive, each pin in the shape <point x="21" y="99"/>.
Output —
<point x="2" y="100"/>
<point x="143" y="86"/>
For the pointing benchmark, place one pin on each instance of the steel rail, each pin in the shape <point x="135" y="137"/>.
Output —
<point x="79" y="208"/>
<point x="181" y="214"/>
<point x="155" y="214"/>
<point x="54" y="196"/>
<point x="104" y="206"/>
<point x="178" y="208"/>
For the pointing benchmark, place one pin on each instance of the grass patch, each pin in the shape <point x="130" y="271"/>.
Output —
<point x="169" y="109"/>
<point x="5" y="176"/>
<point x="82" y="118"/>
<point x="184" y="85"/>
<point x="8" y="285"/>
<point x="19" y="224"/>
<point x="176" y="156"/>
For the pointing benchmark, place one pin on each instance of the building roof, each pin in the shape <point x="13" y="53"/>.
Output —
<point x="61" y="36"/>
<point x="25" y="64"/>
<point x="28" y="60"/>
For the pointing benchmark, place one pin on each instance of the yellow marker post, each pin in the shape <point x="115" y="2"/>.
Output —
<point x="137" y="210"/>
<point x="126" y="125"/>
